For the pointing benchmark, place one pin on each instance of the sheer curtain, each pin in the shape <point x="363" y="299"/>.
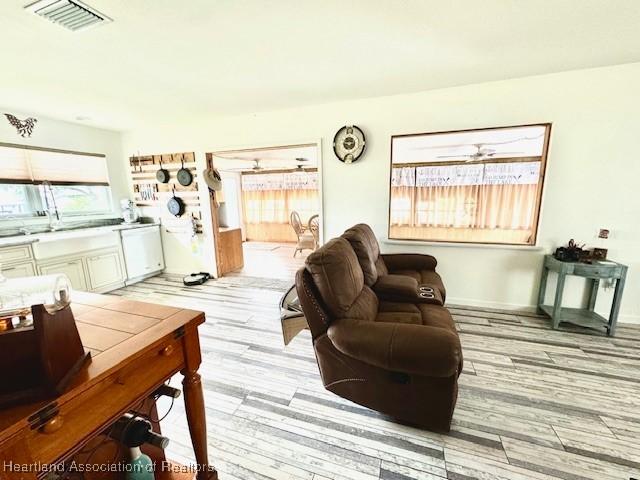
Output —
<point x="465" y="202"/>
<point x="269" y="198"/>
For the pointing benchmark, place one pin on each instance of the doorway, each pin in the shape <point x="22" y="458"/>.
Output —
<point x="269" y="210"/>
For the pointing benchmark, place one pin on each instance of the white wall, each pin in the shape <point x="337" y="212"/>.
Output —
<point x="69" y="136"/>
<point x="592" y="181"/>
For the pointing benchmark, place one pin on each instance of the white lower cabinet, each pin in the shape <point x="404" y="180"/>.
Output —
<point x="105" y="269"/>
<point x="73" y="269"/>
<point x="94" y="263"/>
<point x="27" y="269"/>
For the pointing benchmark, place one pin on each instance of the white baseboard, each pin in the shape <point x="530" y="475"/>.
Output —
<point x="622" y="318"/>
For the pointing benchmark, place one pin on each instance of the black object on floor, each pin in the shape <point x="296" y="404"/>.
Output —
<point x="196" y="279"/>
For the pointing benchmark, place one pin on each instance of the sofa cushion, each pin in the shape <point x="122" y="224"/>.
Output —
<point x="338" y="277"/>
<point x="420" y="314"/>
<point x="436" y="316"/>
<point x="364" y="243"/>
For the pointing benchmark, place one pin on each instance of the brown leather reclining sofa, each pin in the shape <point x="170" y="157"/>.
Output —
<point x="380" y="333"/>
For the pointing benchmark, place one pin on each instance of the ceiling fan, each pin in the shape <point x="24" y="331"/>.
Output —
<point x="256" y="166"/>
<point x="481" y="153"/>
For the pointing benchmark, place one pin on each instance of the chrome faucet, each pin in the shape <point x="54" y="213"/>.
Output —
<point x="53" y="226"/>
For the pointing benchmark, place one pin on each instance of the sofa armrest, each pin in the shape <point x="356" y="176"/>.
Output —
<point x="402" y="288"/>
<point x="409" y="261"/>
<point x="401" y="347"/>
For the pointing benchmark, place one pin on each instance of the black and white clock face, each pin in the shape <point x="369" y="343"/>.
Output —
<point x="349" y="143"/>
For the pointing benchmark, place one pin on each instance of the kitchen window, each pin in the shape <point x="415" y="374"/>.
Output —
<point x="471" y="186"/>
<point x="34" y="181"/>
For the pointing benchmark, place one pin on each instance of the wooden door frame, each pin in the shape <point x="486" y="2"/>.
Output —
<point x="271" y="146"/>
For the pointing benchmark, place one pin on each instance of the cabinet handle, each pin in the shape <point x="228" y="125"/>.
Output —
<point x="7" y="269"/>
<point x="166" y="351"/>
<point x="53" y="425"/>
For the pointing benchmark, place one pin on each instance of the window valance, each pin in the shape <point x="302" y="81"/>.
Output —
<point x="517" y="173"/>
<point x="25" y="165"/>
<point x="280" y="181"/>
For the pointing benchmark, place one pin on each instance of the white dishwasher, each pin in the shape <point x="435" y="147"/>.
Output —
<point x="142" y="248"/>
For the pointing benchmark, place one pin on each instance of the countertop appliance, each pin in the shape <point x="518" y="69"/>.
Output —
<point x="142" y="248"/>
<point x="130" y="212"/>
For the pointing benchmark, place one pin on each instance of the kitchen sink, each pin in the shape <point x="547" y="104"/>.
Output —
<point x="34" y="230"/>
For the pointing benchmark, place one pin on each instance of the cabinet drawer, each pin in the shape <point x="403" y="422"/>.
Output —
<point x="73" y="269"/>
<point x="596" y="271"/>
<point x="15" y="254"/>
<point x="87" y="414"/>
<point x="27" y="269"/>
<point x="105" y="269"/>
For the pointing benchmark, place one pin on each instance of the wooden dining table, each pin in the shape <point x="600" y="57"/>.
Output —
<point x="136" y="347"/>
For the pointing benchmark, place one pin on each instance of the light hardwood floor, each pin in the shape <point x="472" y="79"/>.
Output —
<point x="271" y="260"/>
<point x="534" y="403"/>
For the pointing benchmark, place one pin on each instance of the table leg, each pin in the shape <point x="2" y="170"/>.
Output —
<point x="542" y="290"/>
<point x="595" y="284"/>
<point x="557" y="304"/>
<point x="194" y="405"/>
<point x="617" y="299"/>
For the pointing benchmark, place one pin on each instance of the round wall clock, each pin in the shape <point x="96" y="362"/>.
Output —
<point x="349" y="143"/>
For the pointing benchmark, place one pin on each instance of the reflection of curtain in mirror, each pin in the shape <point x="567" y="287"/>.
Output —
<point x="402" y="205"/>
<point x="492" y="196"/>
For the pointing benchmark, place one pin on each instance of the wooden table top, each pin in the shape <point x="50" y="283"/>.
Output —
<point x="115" y="330"/>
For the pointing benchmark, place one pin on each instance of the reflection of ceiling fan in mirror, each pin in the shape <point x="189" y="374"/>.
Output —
<point x="481" y="153"/>
<point x="300" y="163"/>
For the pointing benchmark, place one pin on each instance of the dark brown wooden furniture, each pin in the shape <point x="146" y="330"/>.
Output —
<point x="135" y="348"/>
<point x="33" y="364"/>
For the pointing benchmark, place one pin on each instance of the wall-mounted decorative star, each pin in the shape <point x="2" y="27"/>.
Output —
<point x="24" y="127"/>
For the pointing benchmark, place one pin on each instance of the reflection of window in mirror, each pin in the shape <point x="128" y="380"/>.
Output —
<point x="469" y="186"/>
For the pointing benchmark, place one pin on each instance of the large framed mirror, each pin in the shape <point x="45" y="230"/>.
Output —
<point x="469" y="186"/>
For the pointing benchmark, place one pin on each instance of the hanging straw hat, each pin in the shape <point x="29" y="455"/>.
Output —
<point x="213" y="179"/>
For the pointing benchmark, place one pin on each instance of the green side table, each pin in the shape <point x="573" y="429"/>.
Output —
<point x="586" y="317"/>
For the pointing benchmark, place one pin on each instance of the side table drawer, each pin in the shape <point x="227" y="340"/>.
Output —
<point x="87" y="414"/>
<point x="597" y="271"/>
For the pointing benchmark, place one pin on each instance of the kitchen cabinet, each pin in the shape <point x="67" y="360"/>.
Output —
<point x="16" y="253"/>
<point x="105" y="269"/>
<point x="26" y="269"/>
<point x="93" y="258"/>
<point x="73" y="269"/>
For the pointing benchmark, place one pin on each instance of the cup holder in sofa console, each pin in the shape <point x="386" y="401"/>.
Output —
<point x="427" y="295"/>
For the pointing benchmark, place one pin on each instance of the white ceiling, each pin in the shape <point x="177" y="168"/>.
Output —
<point x="190" y="58"/>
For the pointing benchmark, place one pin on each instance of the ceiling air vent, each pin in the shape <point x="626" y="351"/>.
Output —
<point x="71" y="14"/>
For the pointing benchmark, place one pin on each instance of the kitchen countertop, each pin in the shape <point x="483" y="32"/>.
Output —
<point x="68" y="234"/>
<point x="17" y="240"/>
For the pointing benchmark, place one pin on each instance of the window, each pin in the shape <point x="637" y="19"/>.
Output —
<point x="81" y="199"/>
<point x="269" y="198"/>
<point x="18" y="200"/>
<point x="14" y="200"/>
<point x="471" y="186"/>
<point x="34" y="180"/>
